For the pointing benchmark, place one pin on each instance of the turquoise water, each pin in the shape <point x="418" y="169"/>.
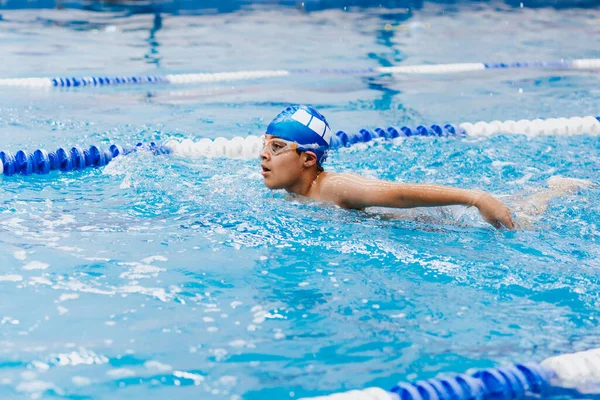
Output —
<point x="162" y="277"/>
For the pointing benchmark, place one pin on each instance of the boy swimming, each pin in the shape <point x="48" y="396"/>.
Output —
<point x="296" y="145"/>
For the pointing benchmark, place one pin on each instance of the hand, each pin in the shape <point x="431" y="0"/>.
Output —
<point x="494" y="211"/>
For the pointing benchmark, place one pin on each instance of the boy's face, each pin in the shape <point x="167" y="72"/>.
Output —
<point x="280" y="171"/>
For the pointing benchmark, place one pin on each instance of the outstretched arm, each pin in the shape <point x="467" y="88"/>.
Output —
<point x="354" y="191"/>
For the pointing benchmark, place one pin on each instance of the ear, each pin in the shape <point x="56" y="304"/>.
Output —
<point x="310" y="159"/>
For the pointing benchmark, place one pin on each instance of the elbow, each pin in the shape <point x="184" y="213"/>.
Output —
<point x="350" y="205"/>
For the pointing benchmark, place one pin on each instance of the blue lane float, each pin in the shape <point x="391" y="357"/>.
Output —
<point x="63" y="159"/>
<point x="515" y="381"/>
<point x="69" y="82"/>
<point x="559" y="375"/>
<point x="344" y="139"/>
<point x="506" y="382"/>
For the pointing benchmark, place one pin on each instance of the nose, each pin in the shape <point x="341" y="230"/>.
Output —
<point x="264" y="153"/>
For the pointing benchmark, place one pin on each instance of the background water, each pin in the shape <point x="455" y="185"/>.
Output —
<point x="161" y="277"/>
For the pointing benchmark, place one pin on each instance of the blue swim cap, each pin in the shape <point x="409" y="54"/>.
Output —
<point x="305" y="126"/>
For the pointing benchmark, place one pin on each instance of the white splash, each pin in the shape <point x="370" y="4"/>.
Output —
<point x="11" y="278"/>
<point x="35" y="265"/>
<point x="157" y="366"/>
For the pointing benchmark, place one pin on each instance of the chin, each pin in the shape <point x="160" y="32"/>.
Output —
<point x="273" y="184"/>
<point x="269" y="184"/>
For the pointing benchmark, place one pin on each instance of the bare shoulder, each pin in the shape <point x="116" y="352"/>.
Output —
<point x="339" y="188"/>
<point x="337" y="178"/>
<point x="334" y="181"/>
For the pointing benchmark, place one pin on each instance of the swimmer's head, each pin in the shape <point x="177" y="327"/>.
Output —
<point x="296" y="143"/>
<point x="305" y="126"/>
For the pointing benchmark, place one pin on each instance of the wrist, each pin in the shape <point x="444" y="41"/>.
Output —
<point x="475" y="197"/>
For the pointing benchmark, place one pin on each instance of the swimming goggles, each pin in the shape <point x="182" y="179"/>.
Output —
<point x="276" y="146"/>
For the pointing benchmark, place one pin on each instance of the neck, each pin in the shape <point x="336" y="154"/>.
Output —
<point x="304" y="184"/>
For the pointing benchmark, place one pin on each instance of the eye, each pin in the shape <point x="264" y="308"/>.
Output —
<point x="277" y="146"/>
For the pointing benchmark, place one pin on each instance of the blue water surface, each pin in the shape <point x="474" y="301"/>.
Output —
<point x="159" y="277"/>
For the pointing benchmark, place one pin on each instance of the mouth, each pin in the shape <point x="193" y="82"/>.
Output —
<point x="265" y="170"/>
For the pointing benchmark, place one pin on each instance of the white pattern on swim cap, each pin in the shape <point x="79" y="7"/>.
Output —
<point x="315" y="124"/>
<point x="302" y="116"/>
<point x="327" y="135"/>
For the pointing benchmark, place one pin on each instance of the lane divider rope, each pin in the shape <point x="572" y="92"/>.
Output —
<point x="250" y="146"/>
<point x="76" y="158"/>
<point x="577" y="64"/>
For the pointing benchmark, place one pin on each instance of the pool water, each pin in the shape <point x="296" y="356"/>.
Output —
<point x="159" y="277"/>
